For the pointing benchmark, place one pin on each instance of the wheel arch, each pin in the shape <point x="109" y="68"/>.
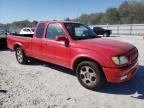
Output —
<point x="17" y="44"/>
<point x="81" y="59"/>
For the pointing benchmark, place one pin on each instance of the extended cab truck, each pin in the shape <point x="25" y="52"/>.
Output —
<point x="27" y="31"/>
<point x="76" y="46"/>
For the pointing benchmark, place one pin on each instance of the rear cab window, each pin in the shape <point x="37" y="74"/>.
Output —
<point x="40" y="30"/>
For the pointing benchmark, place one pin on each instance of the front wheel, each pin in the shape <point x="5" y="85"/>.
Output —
<point x="89" y="75"/>
<point x="20" y="56"/>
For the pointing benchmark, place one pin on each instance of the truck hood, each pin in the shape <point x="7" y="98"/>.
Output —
<point x="105" y="46"/>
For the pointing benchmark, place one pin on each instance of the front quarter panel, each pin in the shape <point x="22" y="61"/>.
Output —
<point x="100" y="58"/>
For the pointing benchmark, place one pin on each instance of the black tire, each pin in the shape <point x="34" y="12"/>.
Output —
<point x="20" y="56"/>
<point x="106" y="35"/>
<point x="96" y="75"/>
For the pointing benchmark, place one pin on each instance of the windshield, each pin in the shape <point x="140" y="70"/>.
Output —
<point x="79" y="31"/>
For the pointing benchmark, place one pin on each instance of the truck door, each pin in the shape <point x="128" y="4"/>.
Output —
<point x="54" y="51"/>
<point x="37" y="41"/>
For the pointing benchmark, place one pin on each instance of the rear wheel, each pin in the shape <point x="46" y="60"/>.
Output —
<point x="106" y="35"/>
<point x="89" y="75"/>
<point x="20" y="56"/>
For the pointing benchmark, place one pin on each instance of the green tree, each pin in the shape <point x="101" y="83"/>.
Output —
<point x="96" y="18"/>
<point x="128" y="12"/>
<point x="111" y="16"/>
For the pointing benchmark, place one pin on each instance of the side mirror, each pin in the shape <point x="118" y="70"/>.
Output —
<point x="63" y="39"/>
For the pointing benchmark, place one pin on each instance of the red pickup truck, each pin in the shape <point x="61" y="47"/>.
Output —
<point x="77" y="47"/>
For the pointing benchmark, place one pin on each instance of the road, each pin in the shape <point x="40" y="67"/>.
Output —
<point x="43" y="85"/>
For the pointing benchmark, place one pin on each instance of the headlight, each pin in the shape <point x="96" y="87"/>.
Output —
<point x="120" y="60"/>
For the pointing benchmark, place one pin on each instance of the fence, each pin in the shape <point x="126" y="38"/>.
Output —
<point x="124" y="29"/>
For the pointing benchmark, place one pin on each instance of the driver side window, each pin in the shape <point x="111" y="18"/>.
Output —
<point x="54" y="30"/>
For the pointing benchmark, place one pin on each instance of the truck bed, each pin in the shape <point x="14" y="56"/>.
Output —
<point x="22" y="35"/>
<point x="20" y="39"/>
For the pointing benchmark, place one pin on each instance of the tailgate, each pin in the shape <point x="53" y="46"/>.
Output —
<point x="24" y="42"/>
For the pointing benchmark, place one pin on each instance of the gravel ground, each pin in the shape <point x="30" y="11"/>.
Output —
<point x="43" y="85"/>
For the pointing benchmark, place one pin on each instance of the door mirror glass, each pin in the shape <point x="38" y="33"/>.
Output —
<point x="60" y="38"/>
<point x="63" y="39"/>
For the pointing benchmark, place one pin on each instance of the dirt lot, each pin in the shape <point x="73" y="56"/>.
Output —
<point x="43" y="85"/>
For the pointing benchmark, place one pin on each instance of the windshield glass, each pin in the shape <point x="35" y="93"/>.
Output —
<point x="80" y="31"/>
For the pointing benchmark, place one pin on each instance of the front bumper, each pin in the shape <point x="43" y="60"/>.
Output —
<point x="122" y="74"/>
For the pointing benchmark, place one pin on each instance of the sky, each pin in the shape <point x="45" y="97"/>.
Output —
<point x="16" y="10"/>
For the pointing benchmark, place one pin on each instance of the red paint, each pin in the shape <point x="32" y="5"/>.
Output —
<point x="99" y="49"/>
